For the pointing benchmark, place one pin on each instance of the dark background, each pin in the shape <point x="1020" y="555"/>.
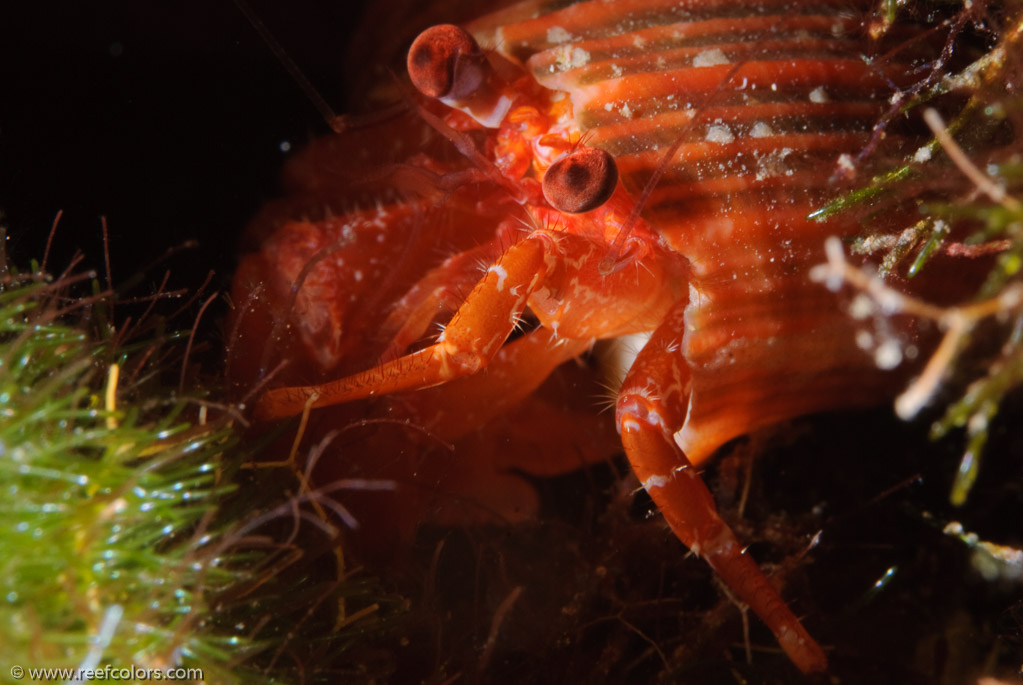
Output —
<point x="166" y="117"/>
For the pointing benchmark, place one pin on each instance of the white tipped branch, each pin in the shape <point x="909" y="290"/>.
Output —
<point x="956" y="321"/>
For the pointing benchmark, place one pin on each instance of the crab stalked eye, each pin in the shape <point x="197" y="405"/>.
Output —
<point x="446" y="62"/>
<point x="581" y="181"/>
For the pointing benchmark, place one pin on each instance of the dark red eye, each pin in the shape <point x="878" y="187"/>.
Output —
<point x="445" y="61"/>
<point x="581" y="181"/>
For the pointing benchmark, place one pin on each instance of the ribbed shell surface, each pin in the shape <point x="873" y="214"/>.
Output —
<point x="764" y="96"/>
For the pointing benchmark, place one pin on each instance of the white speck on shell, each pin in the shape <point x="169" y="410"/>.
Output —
<point x="557" y="34"/>
<point x="568" y="57"/>
<point x="719" y="133"/>
<point x="710" y="58"/>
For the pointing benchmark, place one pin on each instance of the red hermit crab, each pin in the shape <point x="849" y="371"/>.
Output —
<point x="618" y="167"/>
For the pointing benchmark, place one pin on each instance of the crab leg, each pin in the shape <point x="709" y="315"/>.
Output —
<point x="473" y="336"/>
<point x="412" y="314"/>
<point x="652" y="405"/>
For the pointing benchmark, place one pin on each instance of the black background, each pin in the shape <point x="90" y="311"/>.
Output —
<point x="166" y="117"/>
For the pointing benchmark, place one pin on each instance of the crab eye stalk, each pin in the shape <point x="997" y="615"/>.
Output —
<point x="581" y="181"/>
<point x="446" y="62"/>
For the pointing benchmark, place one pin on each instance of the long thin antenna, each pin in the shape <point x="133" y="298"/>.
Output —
<point x="335" y="122"/>
<point x="613" y="261"/>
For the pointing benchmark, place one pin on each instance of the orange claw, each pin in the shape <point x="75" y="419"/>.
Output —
<point x="412" y="314"/>
<point x="474" y="335"/>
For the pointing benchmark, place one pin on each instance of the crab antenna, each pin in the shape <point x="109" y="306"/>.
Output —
<point x="613" y="261"/>
<point x="335" y="122"/>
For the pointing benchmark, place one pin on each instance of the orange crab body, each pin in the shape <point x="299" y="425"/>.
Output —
<point x="723" y="123"/>
<point x="318" y="299"/>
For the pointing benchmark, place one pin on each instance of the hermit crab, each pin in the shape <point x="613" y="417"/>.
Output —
<point x="617" y="168"/>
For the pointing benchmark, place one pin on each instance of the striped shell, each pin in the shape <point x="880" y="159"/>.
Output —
<point x="765" y="97"/>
